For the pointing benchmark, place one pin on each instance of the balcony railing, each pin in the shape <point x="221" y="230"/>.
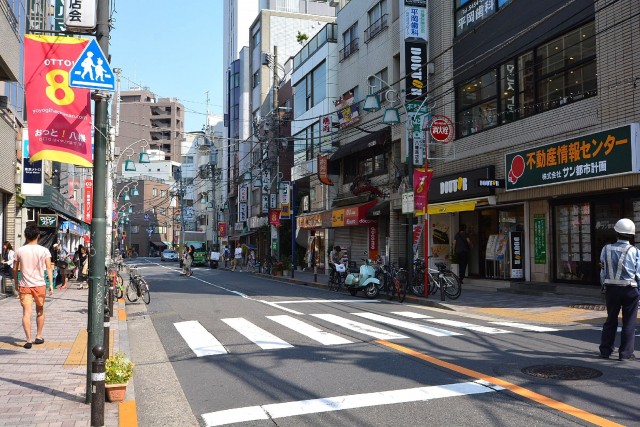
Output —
<point x="349" y="49"/>
<point x="327" y="34"/>
<point x="13" y="22"/>
<point x="376" y="28"/>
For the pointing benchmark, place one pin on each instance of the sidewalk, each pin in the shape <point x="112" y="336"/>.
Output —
<point x="45" y="386"/>
<point x="492" y="298"/>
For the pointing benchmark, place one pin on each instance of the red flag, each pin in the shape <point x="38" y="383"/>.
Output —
<point x="222" y="229"/>
<point x="274" y="217"/>
<point x="59" y="116"/>
<point x="421" y="184"/>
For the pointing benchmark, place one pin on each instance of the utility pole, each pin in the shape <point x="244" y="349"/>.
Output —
<point x="275" y="127"/>
<point x="97" y="256"/>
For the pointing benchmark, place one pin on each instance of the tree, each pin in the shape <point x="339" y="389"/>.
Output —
<point x="302" y="38"/>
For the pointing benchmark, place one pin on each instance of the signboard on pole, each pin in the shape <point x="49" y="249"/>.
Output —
<point x="92" y="70"/>
<point x="418" y="112"/>
<point x="80" y="14"/>
<point x="32" y="184"/>
<point x="88" y="200"/>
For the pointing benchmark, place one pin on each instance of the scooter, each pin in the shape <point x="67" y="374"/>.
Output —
<point x="363" y="281"/>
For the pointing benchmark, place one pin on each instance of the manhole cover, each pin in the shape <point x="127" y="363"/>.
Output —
<point x="588" y="306"/>
<point x="561" y="372"/>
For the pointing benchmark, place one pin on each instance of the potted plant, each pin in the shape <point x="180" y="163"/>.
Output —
<point x="118" y="371"/>
<point x="278" y="268"/>
<point x="286" y="265"/>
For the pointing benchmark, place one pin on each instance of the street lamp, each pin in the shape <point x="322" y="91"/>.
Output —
<point x="130" y="165"/>
<point x="391" y="116"/>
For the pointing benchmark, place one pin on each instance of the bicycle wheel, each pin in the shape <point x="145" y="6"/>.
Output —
<point x="332" y="284"/>
<point x="144" y="290"/>
<point x="131" y="292"/>
<point x="452" y="285"/>
<point x="433" y="283"/>
<point x="119" y="291"/>
<point x="417" y="287"/>
<point x="397" y="287"/>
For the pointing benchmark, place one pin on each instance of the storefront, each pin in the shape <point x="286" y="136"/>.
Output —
<point x="496" y="232"/>
<point x="595" y="175"/>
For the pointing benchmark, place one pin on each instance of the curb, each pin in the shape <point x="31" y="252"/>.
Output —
<point x="127" y="413"/>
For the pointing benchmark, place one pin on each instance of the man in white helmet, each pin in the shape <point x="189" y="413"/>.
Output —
<point x="619" y="276"/>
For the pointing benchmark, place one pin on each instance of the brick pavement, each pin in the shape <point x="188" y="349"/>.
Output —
<point x="45" y="386"/>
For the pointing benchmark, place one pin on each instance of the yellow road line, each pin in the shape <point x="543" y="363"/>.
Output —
<point x="128" y="415"/>
<point x="526" y="393"/>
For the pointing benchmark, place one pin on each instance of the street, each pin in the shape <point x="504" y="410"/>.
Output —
<point x="224" y="347"/>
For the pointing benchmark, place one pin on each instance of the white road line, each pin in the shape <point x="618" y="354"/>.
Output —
<point x="328" y="300"/>
<point x="408" y="325"/>
<point x="259" y="336"/>
<point x="362" y="328"/>
<point x="339" y="403"/>
<point x="525" y="326"/>
<point x="199" y="339"/>
<point x="275" y="304"/>
<point x="469" y="326"/>
<point x="412" y="315"/>
<point x="310" y="331"/>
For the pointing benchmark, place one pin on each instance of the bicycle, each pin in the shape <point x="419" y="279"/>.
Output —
<point x="137" y="287"/>
<point x="337" y="277"/>
<point x="417" y="282"/>
<point x="117" y="282"/>
<point x="395" y="281"/>
<point x="442" y="276"/>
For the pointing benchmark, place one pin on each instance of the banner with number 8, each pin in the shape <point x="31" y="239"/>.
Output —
<point x="59" y="116"/>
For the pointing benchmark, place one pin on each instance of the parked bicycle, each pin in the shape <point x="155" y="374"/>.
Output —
<point x="137" y="287"/>
<point x="441" y="276"/>
<point x="417" y="281"/>
<point x="395" y="281"/>
<point x="117" y="283"/>
<point x="337" y="277"/>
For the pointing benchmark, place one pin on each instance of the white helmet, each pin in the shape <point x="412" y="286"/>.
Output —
<point x="625" y="226"/>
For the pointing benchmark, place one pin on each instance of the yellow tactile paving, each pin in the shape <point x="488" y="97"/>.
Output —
<point x="122" y="314"/>
<point x="546" y="315"/>
<point x="78" y="353"/>
<point x="128" y="414"/>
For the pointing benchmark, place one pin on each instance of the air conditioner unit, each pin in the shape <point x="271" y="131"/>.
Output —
<point x="4" y="101"/>
<point x="334" y="3"/>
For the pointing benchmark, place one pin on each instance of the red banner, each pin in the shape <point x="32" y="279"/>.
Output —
<point x="59" y="116"/>
<point x="222" y="229"/>
<point x="373" y="241"/>
<point x="421" y="183"/>
<point x="274" y="217"/>
<point x="88" y="200"/>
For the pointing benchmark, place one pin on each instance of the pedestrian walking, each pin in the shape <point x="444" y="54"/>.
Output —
<point x="237" y="257"/>
<point x="61" y="262"/>
<point x="226" y="255"/>
<point x="620" y="276"/>
<point x="8" y="257"/>
<point x="83" y="268"/>
<point x="461" y="247"/>
<point x="32" y="260"/>
<point x="251" y="263"/>
<point x="188" y="260"/>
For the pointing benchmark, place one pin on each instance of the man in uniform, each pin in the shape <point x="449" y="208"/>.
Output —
<point x="619" y="276"/>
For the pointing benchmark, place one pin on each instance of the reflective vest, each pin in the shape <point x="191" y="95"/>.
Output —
<point x="613" y="277"/>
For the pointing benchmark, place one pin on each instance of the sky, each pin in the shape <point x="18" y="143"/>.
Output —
<point x="174" y="48"/>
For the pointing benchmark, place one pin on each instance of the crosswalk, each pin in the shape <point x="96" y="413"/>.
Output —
<point x="203" y="343"/>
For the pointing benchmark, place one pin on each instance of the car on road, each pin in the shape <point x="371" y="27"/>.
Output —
<point x="169" y="255"/>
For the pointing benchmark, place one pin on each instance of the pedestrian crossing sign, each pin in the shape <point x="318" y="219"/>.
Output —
<point x="92" y="70"/>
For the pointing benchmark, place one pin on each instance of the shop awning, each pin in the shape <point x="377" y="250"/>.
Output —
<point x="167" y="244"/>
<point x="353" y="215"/>
<point x="380" y="209"/>
<point x="451" y="207"/>
<point x="158" y="244"/>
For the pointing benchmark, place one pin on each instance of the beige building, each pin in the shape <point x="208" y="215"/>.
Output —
<point x="144" y="116"/>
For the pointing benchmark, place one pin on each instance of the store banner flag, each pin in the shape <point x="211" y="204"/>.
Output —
<point x="417" y="232"/>
<point x="274" y="217"/>
<point x="59" y="116"/>
<point x="222" y="229"/>
<point x="323" y="170"/>
<point x="421" y="183"/>
<point x="88" y="200"/>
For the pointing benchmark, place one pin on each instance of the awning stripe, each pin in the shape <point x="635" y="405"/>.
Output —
<point x="451" y="207"/>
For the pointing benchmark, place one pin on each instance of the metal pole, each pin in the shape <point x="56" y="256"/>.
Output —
<point x="409" y="147"/>
<point x="97" y="254"/>
<point x="293" y="227"/>
<point x="274" y="229"/>
<point x="107" y="327"/>
<point x="97" y="391"/>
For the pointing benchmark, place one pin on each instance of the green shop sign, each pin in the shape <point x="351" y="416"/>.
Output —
<point x="540" y="238"/>
<point x="605" y="153"/>
<point x="47" y="220"/>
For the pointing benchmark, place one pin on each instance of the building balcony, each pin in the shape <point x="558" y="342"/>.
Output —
<point x="376" y="28"/>
<point x="349" y="49"/>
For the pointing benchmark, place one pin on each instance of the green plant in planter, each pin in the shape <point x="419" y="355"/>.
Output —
<point x="286" y="262"/>
<point x="118" y="369"/>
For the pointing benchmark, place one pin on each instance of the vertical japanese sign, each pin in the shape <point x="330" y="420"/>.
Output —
<point x="81" y="14"/>
<point x="415" y="57"/>
<point x="373" y="241"/>
<point x="323" y="170"/>
<point x="59" y="116"/>
<point x="88" y="200"/>
<point x="540" y="238"/>
<point x="415" y="17"/>
<point x="418" y="113"/>
<point x="31" y="172"/>
<point x="517" y="254"/>
<point x="284" y="200"/>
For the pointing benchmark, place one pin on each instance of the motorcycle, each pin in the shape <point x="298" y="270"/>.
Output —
<point x="364" y="280"/>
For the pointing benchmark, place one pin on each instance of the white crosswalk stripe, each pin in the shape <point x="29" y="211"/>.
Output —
<point x="199" y="339"/>
<point x="525" y="326"/>
<point x="361" y="328"/>
<point x="407" y="325"/>
<point x="259" y="336"/>
<point x="203" y="343"/>
<point x="469" y="326"/>
<point x="310" y="331"/>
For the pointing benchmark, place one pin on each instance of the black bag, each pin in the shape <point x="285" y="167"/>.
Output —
<point x="6" y="271"/>
<point x="61" y="264"/>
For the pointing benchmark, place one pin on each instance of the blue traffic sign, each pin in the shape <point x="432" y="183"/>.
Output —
<point x="92" y="70"/>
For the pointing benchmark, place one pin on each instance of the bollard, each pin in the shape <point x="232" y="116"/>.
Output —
<point x="110" y="294"/>
<point x="105" y="338"/>
<point x="97" y="387"/>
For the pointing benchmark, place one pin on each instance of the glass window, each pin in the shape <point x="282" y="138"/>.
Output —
<point x="256" y="79"/>
<point x="526" y="85"/>
<point x="573" y="237"/>
<point x="319" y="76"/>
<point x="508" y="92"/>
<point x="300" y="97"/>
<point x="155" y="192"/>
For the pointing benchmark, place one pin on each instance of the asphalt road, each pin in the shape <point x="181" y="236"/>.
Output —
<point x="230" y="348"/>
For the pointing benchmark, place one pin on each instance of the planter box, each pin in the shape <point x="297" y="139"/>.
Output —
<point x="115" y="392"/>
